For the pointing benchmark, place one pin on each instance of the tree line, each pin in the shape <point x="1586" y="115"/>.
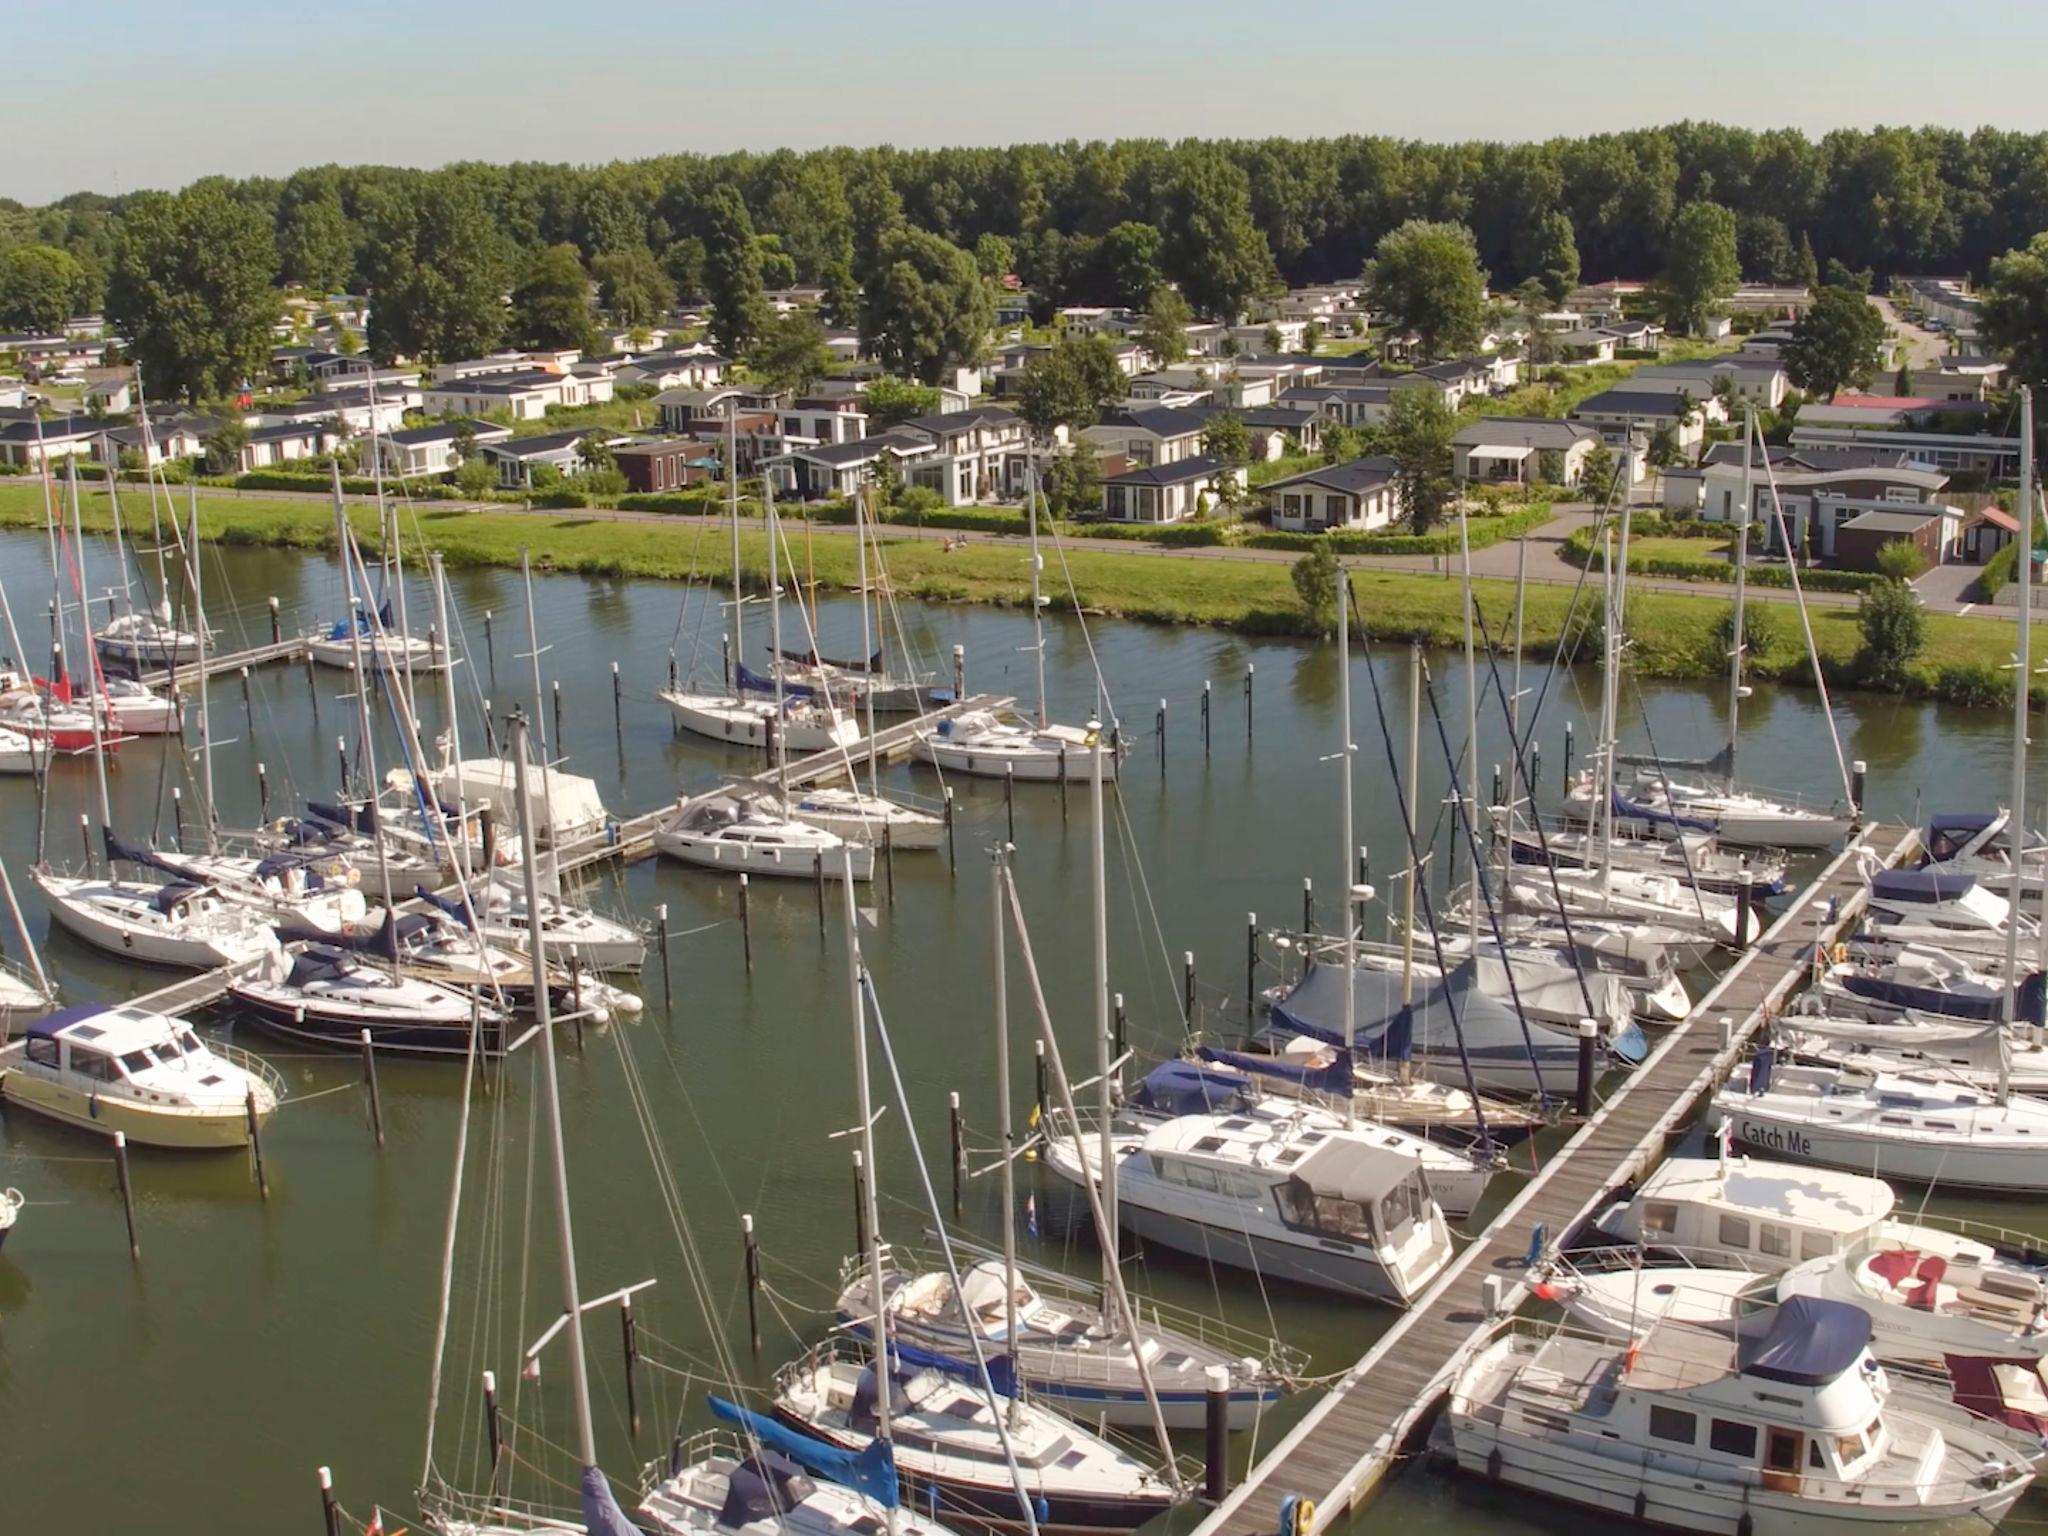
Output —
<point x="1107" y="222"/>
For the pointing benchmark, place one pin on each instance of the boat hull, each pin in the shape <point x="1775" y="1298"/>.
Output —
<point x="137" y="942"/>
<point x="749" y="723"/>
<point x="339" y="1031"/>
<point x="1637" y="1489"/>
<point x="746" y="859"/>
<point x="1026" y="765"/>
<point x="144" y="1125"/>
<point x="1951" y="1163"/>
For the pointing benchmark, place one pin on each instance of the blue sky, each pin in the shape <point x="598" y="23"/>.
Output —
<point x="119" y="94"/>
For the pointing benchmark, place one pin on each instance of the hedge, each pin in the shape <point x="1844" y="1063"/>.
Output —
<point x="1578" y="551"/>
<point x="1480" y="533"/>
<point x="1999" y="571"/>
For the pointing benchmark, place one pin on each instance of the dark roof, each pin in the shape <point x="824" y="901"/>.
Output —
<point x="1286" y="418"/>
<point x="648" y="447"/>
<point x="1160" y="420"/>
<point x="1362" y="394"/>
<point x="1630" y="402"/>
<point x="510" y="383"/>
<point x="1538" y="432"/>
<point x="1731" y="453"/>
<point x="447" y="431"/>
<point x="955" y="421"/>
<point x="1457" y="368"/>
<point x="664" y="360"/>
<point x="540" y="444"/>
<point x="287" y="431"/>
<point x="1180" y="472"/>
<point x="1347" y="479"/>
<point x="842" y="455"/>
<point x="56" y="429"/>
<point x="1894" y="522"/>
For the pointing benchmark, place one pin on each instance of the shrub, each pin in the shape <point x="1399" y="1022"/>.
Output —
<point x="1894" y="627"/>
<point x="562" y="496"/>
<point x="1999" y="571"/>
<point x="1760" y="634"/>
<point x="1315" y="582"/>
<point x="1974" y="684"/>
<point x="1901" y="560"/>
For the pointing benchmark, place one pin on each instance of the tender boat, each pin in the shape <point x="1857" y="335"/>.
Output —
<point x="1301" y="1198"/>
<point x="1953" y="912"/>
<point x="947" y="1449"/>
<point x="740" y="834"/>
<point x="1780" y="1425"/>
<point x="320" y="995"/>
<point x="1889" y="981"/>
<point x="146" y="640"/>
<point x="147" y="1075"/>
<point x="1891" y="1127"/>
<point x="1068" y="1351"/>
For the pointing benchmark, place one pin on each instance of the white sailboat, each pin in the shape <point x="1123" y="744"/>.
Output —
<point x="998" y="744"/>
<point x="148" y="636"/>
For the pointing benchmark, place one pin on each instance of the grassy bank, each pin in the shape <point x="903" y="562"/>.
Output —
<point x="1674" y="633"/>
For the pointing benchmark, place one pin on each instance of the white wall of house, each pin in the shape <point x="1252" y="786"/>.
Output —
<point x="1313" y="509"/>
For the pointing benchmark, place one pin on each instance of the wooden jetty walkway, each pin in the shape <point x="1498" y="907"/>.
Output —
<point x="290" y="648"/>
<point x="1348" y="1442"/>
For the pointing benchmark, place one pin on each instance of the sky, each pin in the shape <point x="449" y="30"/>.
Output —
<point x="118" y="95"/>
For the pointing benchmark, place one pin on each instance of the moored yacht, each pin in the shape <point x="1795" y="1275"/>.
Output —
<point x="321" y="995"/>
<point x="1954" y="912"/>
<point x="1326" y="1075"/>
<point x="1782" y="1425"/>
<point x="192" y="927"/>
<point x="147" y="1075"/>
<point x="720" y="1484"/>
<point x="991" y="744"/>
<point x="1067" y="1351"/>
<point x="863" y="818"/>
<point x="948" y="1449"/>
<point x="146" y="639"/>
<point x="1303" y="1198"/>
<point x="1691" y="856"/>
<point x="1887" y="981"/>
<point x="740" y="834"/>
<point x="1976" y="843"/>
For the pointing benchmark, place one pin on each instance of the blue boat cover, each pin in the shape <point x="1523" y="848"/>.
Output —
<point x="766" y="1488"/>
<point x="168" y="896"/>
<point x="601" y="1513"/>
<point x="872" y="1471"/>
<point x="753" y="682"/>
<point x="1636" y="811"/>
<point x="51" y="1025"/>
<point x="1960" y="821"/>
<point x="449" y="904"/>
<point x="1920" y="885"/>
<point x="1184" y="1088"/>
<point x="275" y="866"/>
<point x="120" y="851"/>
<point x="909" y="1358"/>
<point x="359" y="937"/>
<point x="1810" y="1342"/>
<point x="363" y="818"/>
<point x="1335" y="1077"/>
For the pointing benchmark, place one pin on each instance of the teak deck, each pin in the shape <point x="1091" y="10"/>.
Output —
<point x="1339" y="1452"/>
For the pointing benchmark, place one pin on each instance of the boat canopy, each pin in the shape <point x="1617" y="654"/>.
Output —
<point x="753" y="682"/>
<point x="1346" y="1168"/>
<point x="1920" y="885"/>
<point x="363" y="818"/>
<point x="359" y="937"/>
<point x="311" y="965"/>
<point x="1721" y="765"/>
<point x="50" y="1026"/>
<point x="601" y="1513"/>
<point x="872" y="1471"/>
<point x="167" y="897"/>
<point x="764" y="1487"/>
<point x="812" y="659"/>
<point x="120" y="851"/>
<point x="1810" y="1341"/>
<point x="1184" y="1088"/>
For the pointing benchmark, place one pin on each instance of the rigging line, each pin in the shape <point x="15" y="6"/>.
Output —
<point x="445" y="1298"/>
<point x="1692" y="880"/>
<point x="1139" y="885"/>
<point x="1566" y="653"/>
<point x="1000" y="1419"/>
<point x="1436" y="942"/>
<point x="1479" y="874"/>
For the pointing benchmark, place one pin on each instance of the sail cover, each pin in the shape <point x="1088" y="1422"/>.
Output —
<point x="1333" y="1076"/>
<point x="1384" y="1027"/>
<point x="1810" y="1342"/>
<point x="872" y="1471"/>
<point x="753" y="682"/>
<point x="601" y="1513"/>
<point x="1183" y="1088"/>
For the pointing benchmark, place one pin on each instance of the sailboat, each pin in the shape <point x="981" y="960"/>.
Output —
<point x="742" y="713"/>
<point x="980" y="1454"/>
<point x="749" y="828"/>
<point x="865" y="683"/>
<point x="22" y="991"/>
<point x="131" y="706"/>
<point x="148" y="636"/>
<point x="998" y="744"/>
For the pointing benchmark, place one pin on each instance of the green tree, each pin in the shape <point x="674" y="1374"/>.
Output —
<point x="732" y="272"/>
<point x="1129" y="260"/>
<point x="1163" y="332"/>
<point x="316" y="244"/>
<point x="1902" y="381"/>
<point x="1072" y="482"/>
<point x="778" y="267"/>
<point x="1596" y="472"/>
<point x="1427" y="277"/>
<point x="994" y="256"/>
<point x="1316" y="575"/>
<point x="683" y="263"/>
<point x="39" y="287"/>
<point x="1270" y="339"/>
<point x="437" y="269"/>
<point x="594" y="452"/>
<point x="1068" y="386"/>
<point x="222" y="454"/>
<point x="925" y="308"/>
<point x="1225" y="440"/>
<point x="1805" y="270"/>
<point x="1419" y="428"/>
<point x="1901" y="560"/>
<point x="473" y="477"/>
<point x="1836" y="343"/>
<point x="632" y="287"/>
<point x="1554" y="255"/>
<point x="1894" y="627"/>
<point x="1765" y="249"/>
<point x="551" y="305"/>
<point x="1700" y="264"/>
<point x="792" y="352"/>
<point x="1210" y="244"/>
<point x="890" y="400"/>
<point x="2015" y="311"/>
<point x="1311" y="336"/>
<point x="1664" y="447"/>
<point x="1839" y="274"/>
<point x="191" y="290"/>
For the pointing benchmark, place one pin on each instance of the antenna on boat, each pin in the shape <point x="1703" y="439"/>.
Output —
<point x="999" y="980"/>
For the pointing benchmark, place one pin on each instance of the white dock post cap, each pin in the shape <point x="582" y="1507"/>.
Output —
<point x="1859" y="766"/>
<point x="326" y="1480"/>
<point x="490" y="1381"/>
<point x="747" y="1223"/>
<point x="1588" y="1028"/>
<point x="1492" y="1290"/>
<point x="1727" y="1030"/>
<point x="1218" y="1377"/>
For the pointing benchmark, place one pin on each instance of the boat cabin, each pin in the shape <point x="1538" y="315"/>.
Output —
<point x="1763" y="1215"/>
<point x="1939" y="899"/>
<point x="149" y="1056"/>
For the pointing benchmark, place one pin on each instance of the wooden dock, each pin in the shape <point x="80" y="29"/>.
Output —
<point x="187" y="992"/>
<point x="228" y="663"/>
<point x="1348" y="1442"/>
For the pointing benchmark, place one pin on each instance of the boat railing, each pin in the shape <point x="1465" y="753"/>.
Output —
<point x="1621" y="1258"/>
<point x="255" y="1066"/>
<point x="2028" y="1247"/>
<point x="1279" y="1359"/>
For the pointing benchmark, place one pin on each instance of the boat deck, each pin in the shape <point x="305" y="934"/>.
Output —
<point x="1346" y="1444"/>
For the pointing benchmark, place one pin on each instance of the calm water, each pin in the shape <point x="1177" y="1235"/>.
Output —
<point x="197" y="1392"/>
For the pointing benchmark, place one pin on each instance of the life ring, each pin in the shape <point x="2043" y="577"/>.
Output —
<point x="1297" y="1515"/>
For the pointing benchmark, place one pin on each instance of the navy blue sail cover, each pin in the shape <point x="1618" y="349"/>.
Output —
<point x="1810" y="1341"/>
<point x="1184" y="1088"/>
<point x="601" y="1513"/>
<point x="1920" y="885"/>
<point x="1332" y="1077"/>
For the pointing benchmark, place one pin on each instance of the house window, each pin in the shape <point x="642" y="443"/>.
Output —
<point x="1673" y="1424"/>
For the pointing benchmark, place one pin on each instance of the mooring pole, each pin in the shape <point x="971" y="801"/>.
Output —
<point x="1248" y="669"/>
<point x="1187" y="989"/>
<point x="959" y="1148"/>
<point x="127" y="1194"/>
<point x="630" y="1343"/>
<point x="1251" y="967"/>
<point x="370" y="1082"/>
<point x="1205" y="717"/>
<point x="750" y="1251"/>
<point x="256" y="1144"/>
<point x="330" y="1510"/>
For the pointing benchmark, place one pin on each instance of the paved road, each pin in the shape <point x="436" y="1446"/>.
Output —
<point x="1923" y="347"/>
<point x="1546" y="562"/>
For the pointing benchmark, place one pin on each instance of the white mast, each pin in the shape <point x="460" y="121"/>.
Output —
<point x="572" y="1301"/>
<point x="1105" y="1097"/>
<point x="732" y="481"/>
<point x="451" y="741"/>
<point x="867" y="645"/>
<point x="1471" y="738"/>
<point x="205" y="717"/>
<point x="114" y="505"/>
<point x="781" y="763"/>
<point x="350" y="560"/>
<point x="1345" y="882"/>
<point x="547" y="767"/>
<point x="871" y="1217"/>
<point x="999" y="979"/>
<point x="93" y="695"/>
<point x="1735" y="643"/>
<point x="1413" y="810"/>
<point x="2016" y="817"/>
<point x="1037" y="610"/>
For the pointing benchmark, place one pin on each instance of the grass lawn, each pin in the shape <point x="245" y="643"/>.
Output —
<point x="1659" y="546"/>
<point x="1674" y="633"/>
